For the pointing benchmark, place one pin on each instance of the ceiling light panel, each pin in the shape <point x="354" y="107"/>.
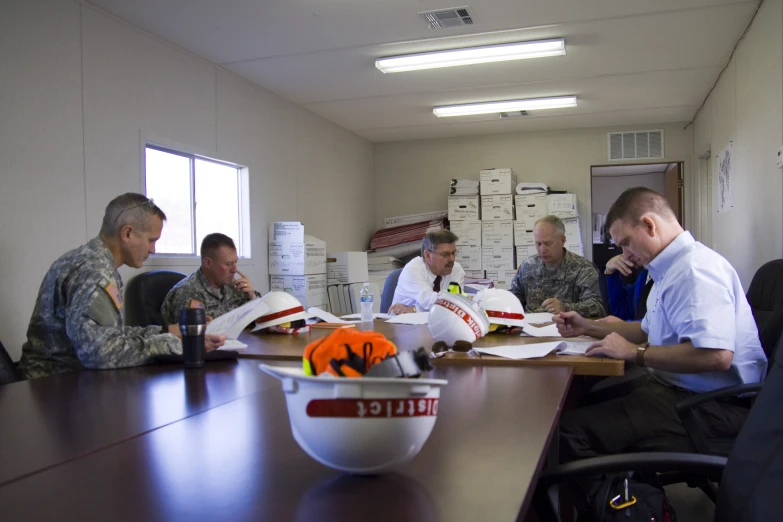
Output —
<point x="536" y="104"/>
<point x="472" y="55"/>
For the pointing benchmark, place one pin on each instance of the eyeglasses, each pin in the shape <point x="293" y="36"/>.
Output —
<point x="445" y="255"/>
<point x="149" y="202"/>
<point x="440" y="349"/>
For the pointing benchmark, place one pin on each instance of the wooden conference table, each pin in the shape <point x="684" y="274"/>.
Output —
<point x="164" y="443"/>
<point x="406" y="337"/>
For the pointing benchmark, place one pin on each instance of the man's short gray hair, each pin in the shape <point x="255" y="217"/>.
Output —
<point x="129" y="209"/>
<point x="554" y="221"/>
<point x="439" y="237"/>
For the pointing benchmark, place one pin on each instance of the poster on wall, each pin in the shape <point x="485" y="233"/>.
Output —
<point x="725" y="179"/>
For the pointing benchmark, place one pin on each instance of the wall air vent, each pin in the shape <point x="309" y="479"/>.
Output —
<point x="635" y="145"/>
<point x="513" y="114"/>
<point x="449" y="18"/>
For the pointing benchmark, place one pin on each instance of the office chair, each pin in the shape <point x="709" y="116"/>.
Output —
<point x="765" y="297"/>
<point x="750" y="479"/>
<point x="145" y="294"/>
<point x="8" y="373"/>
<point x="388" y="290"/>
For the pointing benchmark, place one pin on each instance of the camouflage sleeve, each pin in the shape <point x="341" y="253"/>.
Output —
<point x="518" y="288"/>
<point x="94" y="325"/>
<point x="590" y="303"/>
<point x="176" y="300"/>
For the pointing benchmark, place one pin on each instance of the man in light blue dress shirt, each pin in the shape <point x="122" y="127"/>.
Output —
<point x="698" y="335"/>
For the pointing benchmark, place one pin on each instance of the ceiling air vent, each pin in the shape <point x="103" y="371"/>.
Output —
<point x="513" y="114"/>
<point x="635" y="145"/>
<point x="449" y="18"/>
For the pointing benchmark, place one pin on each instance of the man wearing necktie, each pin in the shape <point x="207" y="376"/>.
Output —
<point x="425" y="276"/>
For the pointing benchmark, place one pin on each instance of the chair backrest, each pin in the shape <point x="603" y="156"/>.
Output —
<point x="604" y="292"/>
<point x="754" y="474"/>
<point x="765" y="297"/>
<point x="388" y="290"/>
<point x="7" y="367"/>
<point x="145" y="294"/>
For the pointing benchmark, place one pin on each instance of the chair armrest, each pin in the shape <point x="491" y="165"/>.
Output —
<point x="709" y="465"/>
<point x="731" y="391"/>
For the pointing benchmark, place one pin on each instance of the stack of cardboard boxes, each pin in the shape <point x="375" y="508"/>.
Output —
<point x="497" y="187"/>
<point x="464" y="220"/>
<point x="297" y="264"/>
<point x="564" y="206"/>
<point x="346" y="273"/>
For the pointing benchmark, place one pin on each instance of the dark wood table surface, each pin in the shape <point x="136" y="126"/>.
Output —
<point x="238" y="461"/>
<point x="291" y="347"/>
<point x="45" y="422"/>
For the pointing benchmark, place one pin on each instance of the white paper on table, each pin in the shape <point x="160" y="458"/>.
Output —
<point x="323" y="315"/>
<point x="531" y="351"/>
<point x="232" y="323"/>
<point x="544" y="331"/>
<point x="415" y="318"/>
<point x="538" y="318"/>
<point x="359" y="316"/>
<point x="233" y="345"/>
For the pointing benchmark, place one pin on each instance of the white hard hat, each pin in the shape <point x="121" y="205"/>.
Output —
<point x="283" y="308"/>
<point x="501" y="306"/>
<point x="453" y="318"/>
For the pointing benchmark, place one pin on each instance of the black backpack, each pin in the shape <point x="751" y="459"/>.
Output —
<point x="646" y="501"/>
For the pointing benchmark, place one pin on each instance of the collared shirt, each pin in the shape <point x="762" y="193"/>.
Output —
<point x="195" y="292"/>
<point x="698" y="297"/>
<point x="574" y="282"/>
<point x="414" y="287"/>
<point x="77" y="321"/>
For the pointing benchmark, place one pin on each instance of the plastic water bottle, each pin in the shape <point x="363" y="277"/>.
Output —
<point x="365" y="296"/>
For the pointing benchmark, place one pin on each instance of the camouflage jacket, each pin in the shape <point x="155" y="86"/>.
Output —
<point x="78" y="323"/>
<point x="195" y="291"/>
<point x="574" y="283"/>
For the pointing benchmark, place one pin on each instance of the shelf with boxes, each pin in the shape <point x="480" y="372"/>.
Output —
<point x="297" y="264"/>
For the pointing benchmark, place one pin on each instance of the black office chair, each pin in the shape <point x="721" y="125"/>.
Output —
<point x="750" y="479"/>
<point x="388" y="290"/>
<point x="765" y="297"/>
<point x="8" y="373"/>
<point x="145" y="294"/>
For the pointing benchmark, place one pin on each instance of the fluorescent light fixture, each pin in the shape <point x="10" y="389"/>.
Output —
<point x="472" y="55"/>
<point x="535" y="104"/>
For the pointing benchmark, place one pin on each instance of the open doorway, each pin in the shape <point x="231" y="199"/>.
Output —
<point x="609" y="181"/>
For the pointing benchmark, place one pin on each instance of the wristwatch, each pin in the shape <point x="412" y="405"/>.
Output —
<point x="414" y="309"/>
<point x="640" y="354"/>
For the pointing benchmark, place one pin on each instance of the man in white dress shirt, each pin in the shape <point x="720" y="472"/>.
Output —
<point x="425" y="276"/>
<point x="698" y="335"/>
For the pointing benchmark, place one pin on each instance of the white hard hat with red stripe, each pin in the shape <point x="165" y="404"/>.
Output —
<point x="501" y="306"/>
<point x="453" y="318"/>
<point x="283" y="308"/>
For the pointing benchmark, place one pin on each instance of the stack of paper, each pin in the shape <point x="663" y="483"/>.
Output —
<point x="527" y="187"/>
<point x="464" y="187"/>
<point x="388" y="237"/>
<point x="531" y="351"/>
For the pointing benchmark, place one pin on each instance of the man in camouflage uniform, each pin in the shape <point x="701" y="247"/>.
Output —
<point x="77" y="321"/>
<point x="557" y="280"/>
<point x="212" y="286"/>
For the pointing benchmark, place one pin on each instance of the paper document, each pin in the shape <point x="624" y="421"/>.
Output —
<point x="359" y="316"/>
<point x="544" y="331"/>
<point x="232" y="323"/>
<point x="531" y="351"/>
<point x="233" y="345"/>
<point x="416" y="318"/>
<point x="538" y="318"/>
<point x="323" y="315"/>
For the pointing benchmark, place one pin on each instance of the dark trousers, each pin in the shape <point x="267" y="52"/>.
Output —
<point x="646" y="411"/>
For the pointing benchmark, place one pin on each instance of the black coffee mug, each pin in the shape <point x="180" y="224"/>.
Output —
<point x="193" y="325"/>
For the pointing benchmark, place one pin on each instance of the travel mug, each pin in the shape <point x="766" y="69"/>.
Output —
<point x="193" y="325"/>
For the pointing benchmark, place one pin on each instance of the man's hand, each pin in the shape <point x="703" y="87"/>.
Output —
<point x="244" y="285"/>
<point x="613" y="345"/>
<point x="400" y="308"/>
<point x="620" y="264"/>
<point x="212" y="342"/>
<point x="553" y="305"/>
<point x="609" y="319"/>
<point x="571" y="324"/>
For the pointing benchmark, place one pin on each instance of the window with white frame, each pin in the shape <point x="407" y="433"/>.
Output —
<point x="199" y="196"/>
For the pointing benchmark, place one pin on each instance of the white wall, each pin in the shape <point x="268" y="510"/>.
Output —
<point x="413" y="176"/>
<point x="81" y="92"/>
<point x="606" y="189"/>
<point x="746" y="107"/>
